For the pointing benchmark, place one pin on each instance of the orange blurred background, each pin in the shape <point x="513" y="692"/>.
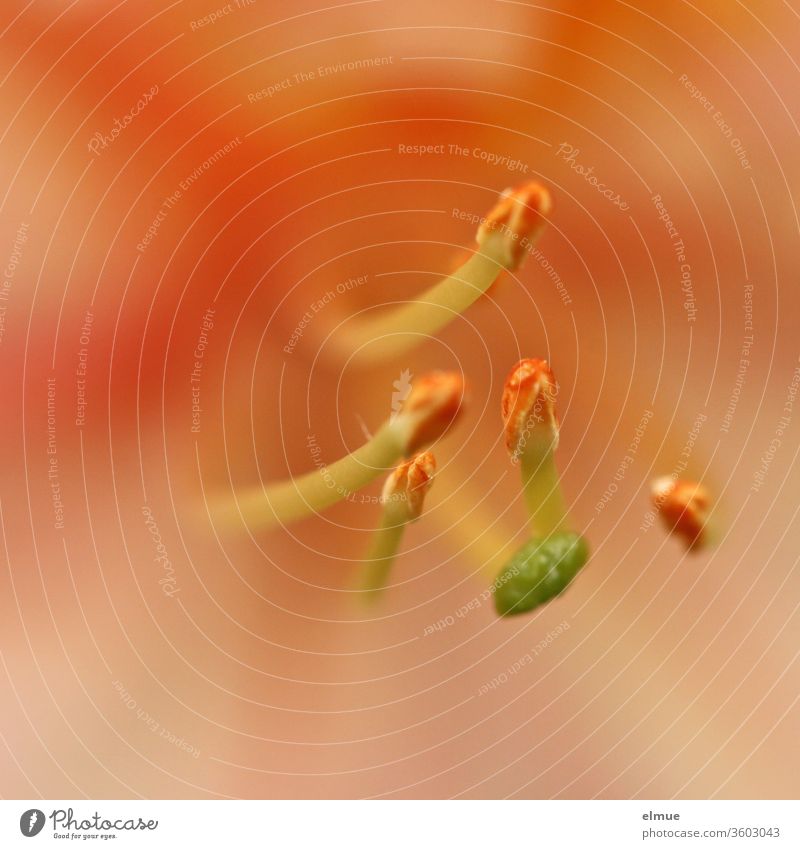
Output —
<point x="259" y="161"/>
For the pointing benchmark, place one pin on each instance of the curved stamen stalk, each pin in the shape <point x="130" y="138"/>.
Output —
<point x="531" y="427"/>
<point x="402" y="500"/>
<point x="544" y="566"/>
<point x="432" y="405"/>
<point x="684" y="507"/>
<point x="505" y="238"/>
<point x="475" y="532"/>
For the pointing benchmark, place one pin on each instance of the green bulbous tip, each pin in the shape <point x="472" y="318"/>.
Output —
<point x="539" y="571"/>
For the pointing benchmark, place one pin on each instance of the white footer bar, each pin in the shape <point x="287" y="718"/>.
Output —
<point x="415" y="824"/>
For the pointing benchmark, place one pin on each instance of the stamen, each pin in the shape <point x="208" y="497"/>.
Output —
<point x="517" y="219"/>
<point x="529" y="405"/>
<point x="544" y="566"/>
<point x="683" y="506"/>
<point x="402" y="501"/>
<point x="505" y="238"/>
<point x="531" y="427"/>
<point x="431" y="407"/>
